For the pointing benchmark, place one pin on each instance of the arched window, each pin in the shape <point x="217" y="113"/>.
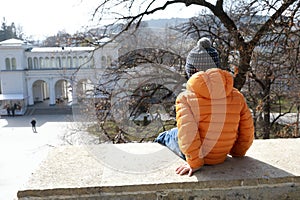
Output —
<point x="42" y="63"/>
<point x="35" y="63"/>
<point x="109" y="61"/>
<point x="92" y="63"/>
<point x="80" y="61"/>
<point x="52" y="62"/>
<point x="58" y="62"/>
<point x="30" y="64"/>
<point x="86" y="62"/>
<point x="103" y="61"/>
<point x="7" y="64"/>
<point x="75" y="62"/>
<point x="69" y="61"/>
<point x="13" y="64"/>
<point x="47" y="62"/>
<point x="64" y="62"/>
<point x="89" y="62"/>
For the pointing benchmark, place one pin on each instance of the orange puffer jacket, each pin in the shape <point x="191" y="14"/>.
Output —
<point x="213" y="119"/>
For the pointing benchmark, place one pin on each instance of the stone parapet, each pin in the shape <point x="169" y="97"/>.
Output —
<point x="270" y="170"/>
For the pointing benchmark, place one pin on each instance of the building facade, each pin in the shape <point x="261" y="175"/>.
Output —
<point x="29" y="75"/>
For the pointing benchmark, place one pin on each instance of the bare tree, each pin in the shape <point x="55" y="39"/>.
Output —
<point x="245" y="39"/>
<point x="134" y="97"/>
<point x="273" y="57"/>
<point x="274" y="71"/>
<point x="240" y="29"/>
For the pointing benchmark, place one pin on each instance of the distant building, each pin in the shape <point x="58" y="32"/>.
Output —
<point x="29" y="74"/>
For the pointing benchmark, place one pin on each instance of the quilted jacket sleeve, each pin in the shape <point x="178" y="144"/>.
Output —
<point x="245" y="134"/>
<point x="187" y="122"/>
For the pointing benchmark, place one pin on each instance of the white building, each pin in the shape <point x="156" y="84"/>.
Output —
<point x="54" y="74"/>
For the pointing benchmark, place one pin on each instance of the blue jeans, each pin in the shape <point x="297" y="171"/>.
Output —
<point x="169" y="139"/>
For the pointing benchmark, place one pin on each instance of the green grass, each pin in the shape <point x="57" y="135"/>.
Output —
<point x="131" y="134"/>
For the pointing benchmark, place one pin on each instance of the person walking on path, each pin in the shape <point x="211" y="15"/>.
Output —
<point x="33" y="125"/>
<point x="13" y="111"/>
<point x="8" y="110"/>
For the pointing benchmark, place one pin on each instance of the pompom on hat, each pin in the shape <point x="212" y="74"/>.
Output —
<point x="202" y="57"/>
<point x="204" y="42"/>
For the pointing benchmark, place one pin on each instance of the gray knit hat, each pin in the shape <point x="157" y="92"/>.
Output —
<point x="202" y="57"/>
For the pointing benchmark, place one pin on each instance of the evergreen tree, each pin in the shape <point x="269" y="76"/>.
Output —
<point x="7" y="32"/>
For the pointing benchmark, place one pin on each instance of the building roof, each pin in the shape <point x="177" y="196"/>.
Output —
<point x="12" y="42"/>
<point x="19" y="43"/>
<point x="61" y="49"/>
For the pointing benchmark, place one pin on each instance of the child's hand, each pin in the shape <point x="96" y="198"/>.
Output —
<point x="185" y="168"/>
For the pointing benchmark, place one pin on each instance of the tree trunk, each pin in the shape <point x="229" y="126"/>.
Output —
<point x="266" y="125"/>
<point x="297" y="122"/>
<point x="244" y="66"/>
<point x="267" y="110"/>
<point x="239" y="81"/>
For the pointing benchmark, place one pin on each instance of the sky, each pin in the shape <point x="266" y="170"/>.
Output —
<point x="41" y="18"/>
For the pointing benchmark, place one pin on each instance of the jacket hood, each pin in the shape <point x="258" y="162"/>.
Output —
<point x="211" y="84"/>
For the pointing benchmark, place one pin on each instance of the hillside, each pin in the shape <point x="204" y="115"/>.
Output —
<point x="162" y="23"/>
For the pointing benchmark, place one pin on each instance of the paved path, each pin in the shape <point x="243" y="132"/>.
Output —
<point x="21" y="150"/>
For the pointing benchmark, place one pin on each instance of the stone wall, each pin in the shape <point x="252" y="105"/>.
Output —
<point x="270" y="170"/>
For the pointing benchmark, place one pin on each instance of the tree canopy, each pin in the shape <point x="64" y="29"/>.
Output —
<point x="259" y="38"/>
<point x="277" y="13"/>
<point x="8" y="31"/>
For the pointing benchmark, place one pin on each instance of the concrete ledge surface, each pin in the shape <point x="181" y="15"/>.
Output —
<point x="270" y="170"/>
